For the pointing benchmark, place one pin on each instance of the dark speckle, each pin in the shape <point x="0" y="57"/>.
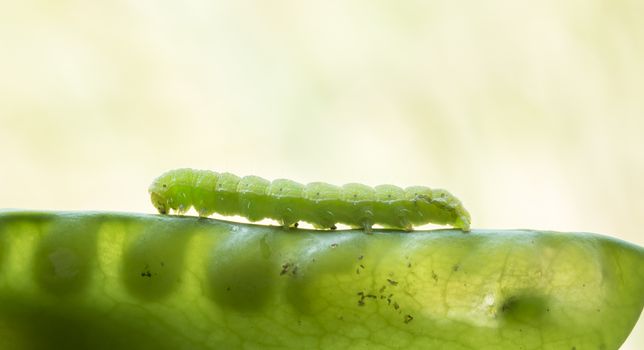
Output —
<point x="164" y="185"/>
<point x="409" y="318"/>
<point x="361" y="300"/>
<point x="392" y="282"/>
<point x="334" y="245"/>
<point x="456" y="267"/>
<point x="434" y="276"/>
<point x="285" y="268"/>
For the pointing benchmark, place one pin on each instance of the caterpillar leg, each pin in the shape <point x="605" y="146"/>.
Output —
<point x="182" y="209"/>
<point x="406" y="225"/>
<point x="288" y="224"/>
<point x="324" y="224"/>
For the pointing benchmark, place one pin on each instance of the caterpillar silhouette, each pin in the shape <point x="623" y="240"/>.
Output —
<point x="320" y="204"/>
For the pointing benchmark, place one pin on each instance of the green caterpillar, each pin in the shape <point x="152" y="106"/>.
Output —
<point x="320" y="204"/>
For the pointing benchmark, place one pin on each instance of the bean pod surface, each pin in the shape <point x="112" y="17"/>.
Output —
<point x="128" y="281"/>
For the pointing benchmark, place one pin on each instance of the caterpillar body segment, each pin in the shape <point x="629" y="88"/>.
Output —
<point x="321" y="204"/>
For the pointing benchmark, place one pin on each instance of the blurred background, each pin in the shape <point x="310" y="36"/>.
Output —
<point x="531" y="112"/>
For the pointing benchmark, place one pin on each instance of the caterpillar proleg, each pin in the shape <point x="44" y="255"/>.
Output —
<point x="320" y="204"/>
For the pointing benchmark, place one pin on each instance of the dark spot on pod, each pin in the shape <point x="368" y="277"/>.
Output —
<point x="66" y="256"/>
<point x="153" y="260"/>
<point x="250" y="275"/>
<point x="285" y="268"/>
<point x="303" y="291"/>
<point x="520" y="309"/>
<point x="146" y="273"/>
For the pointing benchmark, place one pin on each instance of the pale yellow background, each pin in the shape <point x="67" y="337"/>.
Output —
<point x="532" y="112"/>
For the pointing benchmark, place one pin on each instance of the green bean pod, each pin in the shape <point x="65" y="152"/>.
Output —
<point x="92" y="280"/>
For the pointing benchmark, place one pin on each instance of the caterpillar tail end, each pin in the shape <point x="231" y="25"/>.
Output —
<point x="463" y="221"/>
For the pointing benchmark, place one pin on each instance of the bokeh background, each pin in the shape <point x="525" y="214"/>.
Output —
<point x="532" y="112"/>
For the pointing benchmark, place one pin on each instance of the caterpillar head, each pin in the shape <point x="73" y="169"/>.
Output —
<point x="160" y="193"/>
